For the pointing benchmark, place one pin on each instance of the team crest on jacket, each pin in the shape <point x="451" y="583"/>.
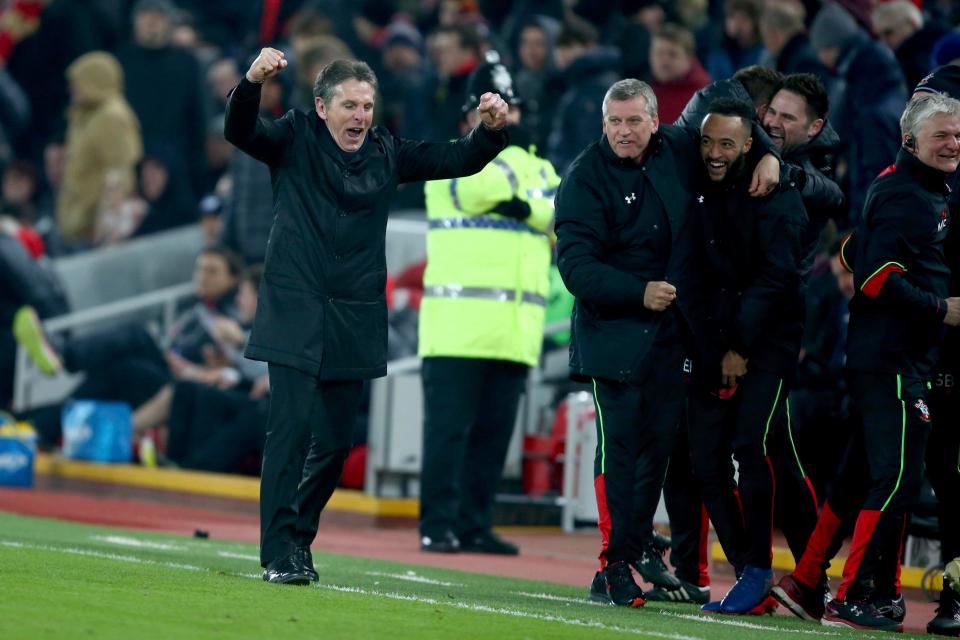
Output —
<point x="921" y="406"/>
<point x="944" y="217"/>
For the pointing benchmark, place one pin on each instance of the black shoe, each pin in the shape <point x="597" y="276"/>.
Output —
<point x="660" y="542"/>
<point x="488" y="542"/>
<point x="305" y="558"/>
<point x="653" y="570"/>
<point x="622" y="589"/>
<point x="857" y="615"/>
<point x="947" y="620"/>
<point x="286" y="570"/>
<point x="447" y="543"/>
<point x="687" y="592"/>
<point x="598" y="589"/>
<point x="893" y="608"/>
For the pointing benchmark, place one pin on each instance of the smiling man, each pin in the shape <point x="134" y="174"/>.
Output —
<point x="749" y="332"/>
<point x="624" y="247"/>
<point x="321" y="321"/>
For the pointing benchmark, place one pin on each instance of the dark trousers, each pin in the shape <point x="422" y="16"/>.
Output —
<point x="689" y="523"/>
<point x="896" y="424"/>
<point x="742" y="511"/>
<point x="943" y="461"/>
<point x="308" y="438"/>
<point x="470" y="407"/>
<point x="637" y="424"/>
<point x="212" y="429"/>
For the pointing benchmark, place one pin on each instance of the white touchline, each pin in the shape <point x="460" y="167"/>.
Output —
<point x="410" y="576"/>
<point x="550" y="596"/>
<point x="99" y="554"/>
<point x="134" y="542"/>
<point x="238" y="556"/>
<point x="593" y="624"/>
<point x="733" y="622"/>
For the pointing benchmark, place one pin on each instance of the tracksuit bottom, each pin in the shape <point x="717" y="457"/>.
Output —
<point x="636" y="426"/>
<point x="741" y="511"/>
<point x="880" y="476"/>
<point x="309" y="433"/>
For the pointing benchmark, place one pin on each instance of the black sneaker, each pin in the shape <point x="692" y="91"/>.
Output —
<point x="488" y="542"/>
<point x="447" y="543"/>
<point x="947" y="620"/>
<point x="802" y="601"/>
<point x="622" y="589"/>
<point x="305" y="558"/>
<point x="893" y="608"/>
<point x="858" y="615"/>
<point x="653" y="569"/>
<point x="660" y="542"/>
<point x="687" y="592"/>
<point x="598" y="589"/>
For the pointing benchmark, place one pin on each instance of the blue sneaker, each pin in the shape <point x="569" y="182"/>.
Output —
<point x="712" y="607"/>
<point x="751" y="591"/>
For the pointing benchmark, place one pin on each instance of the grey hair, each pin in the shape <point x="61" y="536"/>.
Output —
<point x="898" y="10"/>
<point x="628" y="89"/>
<point x="340" y="71"/>
<point x="920" y="110"/>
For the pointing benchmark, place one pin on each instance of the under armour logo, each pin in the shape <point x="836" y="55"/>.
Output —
<point x="630" y="198"/>
<point x="700" y="199"/>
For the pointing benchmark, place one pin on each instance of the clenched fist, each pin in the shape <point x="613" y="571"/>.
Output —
<point x="493" y="111"/>
<point x="659" y="295"/>
<point x="268" y="64"/>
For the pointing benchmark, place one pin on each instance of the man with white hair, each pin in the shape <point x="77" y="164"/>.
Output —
<point x="897" y="320"/>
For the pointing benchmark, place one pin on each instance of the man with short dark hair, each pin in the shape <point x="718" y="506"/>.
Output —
<point x="321" y="319"/>
<point x="748" y="333"/>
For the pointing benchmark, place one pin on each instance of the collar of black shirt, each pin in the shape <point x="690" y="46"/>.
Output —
<point x="931" y="179"/>
<point x="332" y="148"/>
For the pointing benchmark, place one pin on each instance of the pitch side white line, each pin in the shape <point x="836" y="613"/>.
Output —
<point x="99" y="554"/>
<point x="736" y="622"/>
<point x="550" y="596"/>
<point x="592" y="624"/>
<point x="136" y="543"/>
<point x="238" y="556"/>
<point x="411" y="576"/>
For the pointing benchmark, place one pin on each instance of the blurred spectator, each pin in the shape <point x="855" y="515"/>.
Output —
<point x="405" y="83"/>
<point x="785" y="38"/>
<point x="211" y="219"/>
<point x="218" y="152"/>
<point x="947" y="50"/>
<point x="642" y="18"/>
<point x="14" y="118"/>
<point x="165" y="89"/>
<point x="533" y="70"/>
<point x="319" y="52"/>
<point x="102" y="148"/>
<point x="866" y="104"/>
<point x="370" y="22"/>
<point x="587" y="70"/>
<point x="676" y="71"/>
<point x="900" y="25"/>
<point x="19" y="191"/>
<point x="222" y="76"/>
<point x="455" y="50"/>
<point x="169" y="204"/>
<point x="741" y="46"/>
<point x="248" y="214"/>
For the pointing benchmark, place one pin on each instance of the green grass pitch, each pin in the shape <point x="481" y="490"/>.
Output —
<point x="63" y="581"/>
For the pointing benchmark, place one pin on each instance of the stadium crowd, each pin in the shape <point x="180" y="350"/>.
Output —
<point x="112" y="119"/>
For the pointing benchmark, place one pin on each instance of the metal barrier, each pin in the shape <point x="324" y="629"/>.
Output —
<point x="32" y="388"/>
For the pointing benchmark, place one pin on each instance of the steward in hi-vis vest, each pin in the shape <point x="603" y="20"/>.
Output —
<point x="481" y="324"/>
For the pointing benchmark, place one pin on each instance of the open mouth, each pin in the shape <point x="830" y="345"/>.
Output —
<point x="777" y="136"/>
<point x="355" y="133"/>
<point x="716" y="167"/>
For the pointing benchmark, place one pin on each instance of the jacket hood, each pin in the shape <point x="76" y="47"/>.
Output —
<point x="99" y="74"/>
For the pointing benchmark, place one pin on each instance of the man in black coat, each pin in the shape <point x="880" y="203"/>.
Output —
<point x="624" y="248"/>
<point x="321" y="322"/>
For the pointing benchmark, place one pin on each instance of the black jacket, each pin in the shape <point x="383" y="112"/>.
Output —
<point x="322" y="302"/>
<point x="699" y="105"/>
<point x="751" y="256"/>
<point x="25" y="281"/>
<point x="612" y="331"/>
<point x="900" y="272"/>
<point x="798" y="56"/>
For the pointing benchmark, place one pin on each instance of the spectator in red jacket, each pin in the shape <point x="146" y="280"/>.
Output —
<point x="676" y="71"/>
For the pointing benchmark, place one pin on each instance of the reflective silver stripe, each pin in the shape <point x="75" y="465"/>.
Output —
<point x="508" y="171"/>
<point x="453" y="194"/>
<point x="482" y="222"/>
<point x="484" y="293"/>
